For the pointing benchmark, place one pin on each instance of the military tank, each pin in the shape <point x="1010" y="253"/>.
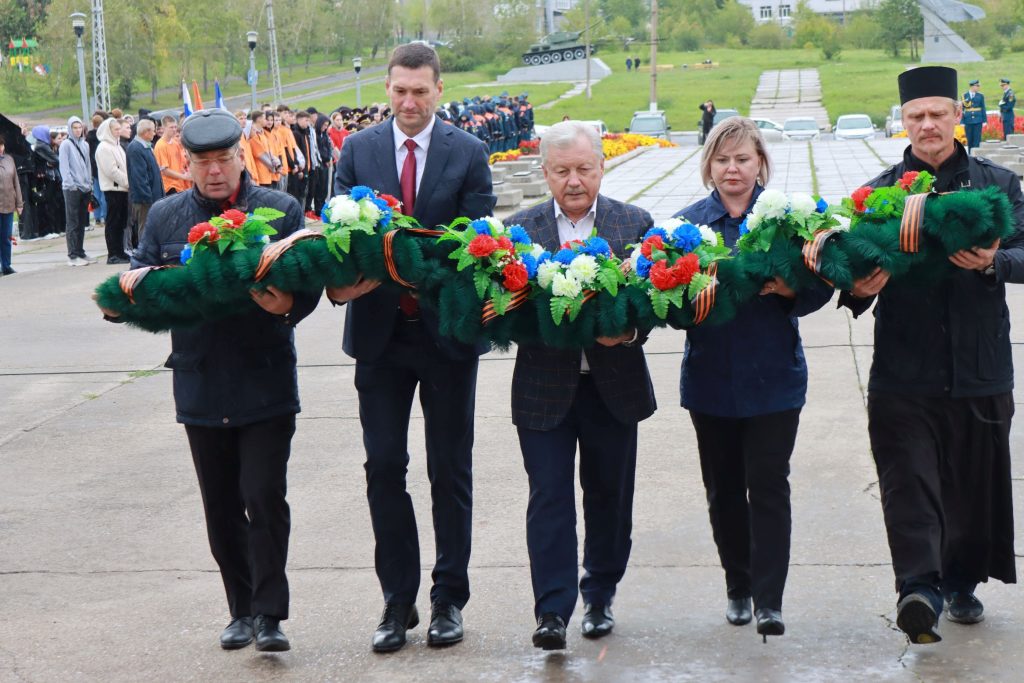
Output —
<point x="560" y="46"/>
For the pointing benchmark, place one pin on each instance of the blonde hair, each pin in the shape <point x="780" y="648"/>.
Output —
<point x="736" y="129"/>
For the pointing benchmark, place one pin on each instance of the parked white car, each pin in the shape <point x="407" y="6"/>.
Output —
<point x="854" y="127"/>
<point x="800" y="128"/>
<point x="770" y="130"/>
<point x="894" y="121"/>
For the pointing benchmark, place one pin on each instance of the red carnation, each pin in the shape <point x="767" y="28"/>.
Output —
<point x="203" y="230"/>
<point x="908" y="179"/>
<point x="858" y="197"/>
<point x="504" y="243"/>
<point x="515" y="276"/>
<point x="686" y="267"/>
<point x="652" y="242"/>
<point x="236" y="217"/>
<point x="662" y="276"/>
<point x="482" y="245"/>
<point x="392" y="202"/>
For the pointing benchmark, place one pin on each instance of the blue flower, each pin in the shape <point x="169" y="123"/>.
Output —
<point x="643" y="266"/>
<point x="186" y="254"/>
<point x="822" y="205"/>
<point x="518" y="234"/>
<point x="565" y="256"/>
<point x="325" y="214"/>
<point x="545" y="256"/>
<point x="686" y="237"/>
<point x="657" y="231"/>
<point x="385" y="211"/>
<point x="481" y="226"/>
<point x="743" y="227"/>
<point x="531" y="264"/>
<point x="360" y="192"/>
<point x="597" y="246"/>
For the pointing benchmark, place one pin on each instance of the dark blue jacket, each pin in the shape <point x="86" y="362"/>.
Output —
<point x="974" y="108"/>
<point x="144" y="183"/>
<point x="241" y="369"/>
<point x="754" y="364"/>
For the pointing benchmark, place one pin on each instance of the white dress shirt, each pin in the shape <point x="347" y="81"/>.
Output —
<point x="422" y="144"/>
<point x="580" y="230"/>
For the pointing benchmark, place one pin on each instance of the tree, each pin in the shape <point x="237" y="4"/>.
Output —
<point x="900" y="21"/>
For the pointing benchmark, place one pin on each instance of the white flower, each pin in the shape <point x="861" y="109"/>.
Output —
<point x="536" y="250"/>
<point x="671" y="224"/>
<point x="771" y="204"/>
<point x="844" y="222"/>
<point x="584" y="268"/>
<point x="496" y="225"/>
<point x="369" y="210"/>
<point x="634" y="257"/>
<point x="803" y="204"/>
<point x="708" y="235"/>
<point x="343" y="210"/>
<point x="546" y="271"/>
<point x="564" y="284"/>
<point x="753" y="220"/>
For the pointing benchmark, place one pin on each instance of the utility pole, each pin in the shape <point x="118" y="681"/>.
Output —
<point x="586" y="39"/>
<point x="654" y="55"/>
<point x="100" y="77"/>
<point x="275" y="67"/>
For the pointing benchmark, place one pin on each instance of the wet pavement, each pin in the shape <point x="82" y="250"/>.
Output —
<point x="105" y="573"/>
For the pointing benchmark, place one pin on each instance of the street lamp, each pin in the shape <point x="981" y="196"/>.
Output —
<point x="78" y="23"/>
<point x="357" y="64"/>
<point x="251" y="40"/>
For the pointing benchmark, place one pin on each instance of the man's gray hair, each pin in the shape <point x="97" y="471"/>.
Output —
<point x="144" y="124"/>
<point x="565" y="134"/>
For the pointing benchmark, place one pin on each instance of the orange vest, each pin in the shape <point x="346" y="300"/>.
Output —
<point x="171" y="155"/>
<point x="250" y="162"/>
<point x="259" y="143"/>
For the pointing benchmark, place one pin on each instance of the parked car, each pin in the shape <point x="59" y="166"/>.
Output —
<point x="800" y="128"/>
<point x="894" y="121"/>
<point x="720" y="115"/>
<point x="652" y="123"/>
<point x="159" y="115"/>
<point x="770" y="130"/>
<point x="854" y="127"/>
<point x="597" y="125"/>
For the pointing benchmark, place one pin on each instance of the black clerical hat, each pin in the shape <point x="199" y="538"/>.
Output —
<point x="927" y="81"/>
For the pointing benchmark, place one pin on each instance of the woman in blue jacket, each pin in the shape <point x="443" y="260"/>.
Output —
<point x="744" y="383"/>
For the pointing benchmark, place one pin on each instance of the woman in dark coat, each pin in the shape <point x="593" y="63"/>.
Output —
<point x="47" y="195"/>
<point x="707" y="119"/>
<point x="744" y="383"/>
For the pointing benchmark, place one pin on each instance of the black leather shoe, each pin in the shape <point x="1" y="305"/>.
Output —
<point x="737" y="612"/>
<point x="597" y="621"/>
<point x="769" y="623"/>
<point x="964" y="608"/>
<point x="396" y="620"/>
<point x="9" y="271"/>
<point x="916" y="617"/>
<point x="238" y="634"/>
<point x="445" y="625"/>
<point x="269" y="637"/>
<point x="550" y="633"/>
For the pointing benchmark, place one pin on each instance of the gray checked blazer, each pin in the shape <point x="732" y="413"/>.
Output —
<point x="545" y="379"/>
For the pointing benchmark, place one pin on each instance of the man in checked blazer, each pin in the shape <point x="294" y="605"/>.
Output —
<point x="594" y="398"/>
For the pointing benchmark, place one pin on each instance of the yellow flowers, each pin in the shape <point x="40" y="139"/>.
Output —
<point x="959" y="133"/>
<point x="511" y="155"/>
<point x="616" y="145"/>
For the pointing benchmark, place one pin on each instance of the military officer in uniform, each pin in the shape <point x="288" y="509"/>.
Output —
<point x="1006" y="106"/>
<point x="974" y="114"/>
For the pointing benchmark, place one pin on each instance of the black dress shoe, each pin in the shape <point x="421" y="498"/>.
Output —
<point x="396" y="620"/>
<point x="769" y="623"/>
<point x="597" y="621"/>
<point x="238" y="634"/>
<point x="964" y="608"/>
<point x="116" y="260"/>
<point x="550" y="633"/>
<point x="269" y="637"/>
<point x="916" y="617"/>
<point x="737" y="612"/>
<point x="9" y="271"/>
<point x="445" y="625"/>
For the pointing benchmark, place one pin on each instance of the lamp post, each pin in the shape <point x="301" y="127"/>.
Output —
<point x="251" y="40"/>
<point x="78" y="23"/>
<point x="357" y="64"/>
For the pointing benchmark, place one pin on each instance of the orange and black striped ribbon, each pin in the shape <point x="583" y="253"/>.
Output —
<point x="130" y="279"/>
<point x="705" y="299"/>
<point x="274" y="250"/>
<point x="813" y="250"/>
<point x="389" y="251"/>
<point x="518" y="299"/>
<point x="912" y="223"/>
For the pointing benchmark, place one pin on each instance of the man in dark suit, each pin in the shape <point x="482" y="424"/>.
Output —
<point x="594" y="398"/>
<point x="440" y="173"/>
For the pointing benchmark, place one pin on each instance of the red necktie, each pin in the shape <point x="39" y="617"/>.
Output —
<point x="410" y="307"/>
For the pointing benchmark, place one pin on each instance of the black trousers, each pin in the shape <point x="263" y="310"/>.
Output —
<point x="607" y="473"/>
<point x="745" y="466"/>
<point x="297" y="187"/>
<point x="316" y="195"/>
<point x="447" y="391"/>
<point x="115" y="223"/>
<point x="243" y="480"/>
<point x="944" y="475"/>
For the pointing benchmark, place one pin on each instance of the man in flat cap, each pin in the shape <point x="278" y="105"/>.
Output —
<point x="235" y="387"/>
<point x="1006" y="104"/>
<point x="939" y="393"/>
<point x="974" y="114"/>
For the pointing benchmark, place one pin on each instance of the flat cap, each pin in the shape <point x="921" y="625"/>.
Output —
<point x="1005" y="80"/>
<point x="975" y="82"/>
<point x="927" y="81"/>
<point x="210" y="129"/>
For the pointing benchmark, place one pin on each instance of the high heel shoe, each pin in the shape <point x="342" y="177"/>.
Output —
<point x="769" y="623"/>
<point x="737" y="612"/>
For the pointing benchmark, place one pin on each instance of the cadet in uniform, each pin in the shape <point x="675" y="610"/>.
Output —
<point x="1006" y="106"/>
<point x="974" y="114"/>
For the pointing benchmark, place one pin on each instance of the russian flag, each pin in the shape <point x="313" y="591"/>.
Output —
<point x="186" y="99"/>
<point x="218" y="100"/>
<point x="199" y="100"/>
